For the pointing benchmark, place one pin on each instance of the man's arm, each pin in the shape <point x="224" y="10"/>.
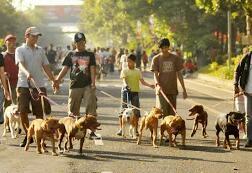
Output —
<point x="3" y="80"/>
<point x="23" y="68"/>
<point x="48" y="72"/>
<point x="181" y="80"/>
<point x="93" y="75"/>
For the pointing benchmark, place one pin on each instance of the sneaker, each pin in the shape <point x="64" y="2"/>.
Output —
<point x="248" y="143"/>
<point x="119" y="133"/>
<point x="92" y="135"/>
<point x="23" y="143"/>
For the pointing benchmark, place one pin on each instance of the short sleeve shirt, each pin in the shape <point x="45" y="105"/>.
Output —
<point x="33" y="60"/>
<point x="132" y="77"/>
<point x="1" y="60"/>
<point x="167" y="68"/>
<point x="80" y="63"/>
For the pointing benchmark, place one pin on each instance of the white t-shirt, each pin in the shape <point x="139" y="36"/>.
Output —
<point x="248" y="87"/>
<point x="33" y="59"/>
<point x="123" y="61"/>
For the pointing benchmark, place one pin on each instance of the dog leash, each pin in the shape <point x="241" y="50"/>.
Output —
<point x="109" y="95"/>
<point x="168" y="101"/>
<point x="9" y="87"/>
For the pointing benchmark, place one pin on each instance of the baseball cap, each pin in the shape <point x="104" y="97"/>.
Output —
<point x="33" y="31"/>
<point x="79" y="36"/>
<point x="9" y="36"/>
<point x="164" y="42"/>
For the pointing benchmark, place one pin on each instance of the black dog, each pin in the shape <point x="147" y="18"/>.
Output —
<point x="228" y="124"/>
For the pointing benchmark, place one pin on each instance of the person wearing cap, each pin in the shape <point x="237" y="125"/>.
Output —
<point x="131" y="77"/>
<point x="10" y="67"/>
<point x="82" y="67"/>
<point x="167" y="68"/>
<point x="32" y="62"/>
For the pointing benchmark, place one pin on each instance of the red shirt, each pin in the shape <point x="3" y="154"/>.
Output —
<point x="11" y="68"/>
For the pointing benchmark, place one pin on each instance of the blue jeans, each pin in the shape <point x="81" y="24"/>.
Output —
<point x="1" y="105"/>
<point x="248" y="110"/>
<point x="131" y="98"/>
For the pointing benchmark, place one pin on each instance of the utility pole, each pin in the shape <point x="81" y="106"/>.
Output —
<point x="229" y="37"/>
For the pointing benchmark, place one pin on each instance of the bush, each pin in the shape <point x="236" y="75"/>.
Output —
<point x="214" y="66"/>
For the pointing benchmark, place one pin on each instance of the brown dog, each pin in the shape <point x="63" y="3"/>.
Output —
<point x="76" y="129"/>
<point x="174" y="125"/>
<point x="201" y="117"/>
<point x="42" y="130"/>
<point x="150" y="122"/>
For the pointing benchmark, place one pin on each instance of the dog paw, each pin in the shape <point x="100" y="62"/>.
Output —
<point x="13" y="137"/>
<point x="39" y="152"/>
<point x="155" y="146"/>
<point x="4" y="135"/>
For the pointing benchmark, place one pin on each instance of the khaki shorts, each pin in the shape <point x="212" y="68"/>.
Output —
<point x="75" y="98"/>
<point x="24" y="99"/>
<point x="164" y="105"/>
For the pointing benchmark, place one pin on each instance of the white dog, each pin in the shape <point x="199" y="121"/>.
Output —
<point x="129" y="119"/>
<point x="12" y="116"/>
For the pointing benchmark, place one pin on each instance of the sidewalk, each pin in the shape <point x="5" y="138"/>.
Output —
<point x="223" y="83"/>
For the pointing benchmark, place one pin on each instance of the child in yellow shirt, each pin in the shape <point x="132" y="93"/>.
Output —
<point x="130" y="90"/>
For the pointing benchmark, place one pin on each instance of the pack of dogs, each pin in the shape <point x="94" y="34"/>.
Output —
<point x="70" y="128"/>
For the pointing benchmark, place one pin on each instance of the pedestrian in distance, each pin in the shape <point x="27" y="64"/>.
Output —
<point x="131" y="77"/>
<point x="243" y="84"/>
<point x="167" y="68"/>
<point x="82" y="67"/>
<point x="32" y="62"/>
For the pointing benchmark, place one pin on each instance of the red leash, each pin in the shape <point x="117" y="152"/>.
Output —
<point x="168" y="101"/>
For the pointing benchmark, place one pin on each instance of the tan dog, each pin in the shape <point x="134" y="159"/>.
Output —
<point x="150" y="122"/>
<point x="42" y="130"/>
<point x="76" y="129"/>
<point x="174" y="125"/>
<point x="11" y="117"/>
<point x="201" y="117"/>
<point x="131" y="120"/>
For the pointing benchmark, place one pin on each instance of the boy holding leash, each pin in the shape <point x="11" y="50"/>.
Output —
<point x="130" y="90"/>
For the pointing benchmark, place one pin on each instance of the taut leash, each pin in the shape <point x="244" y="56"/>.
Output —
<point x="168" y="101"/>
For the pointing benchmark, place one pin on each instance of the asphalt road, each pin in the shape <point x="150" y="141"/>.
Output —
<point x="120" y="155"/>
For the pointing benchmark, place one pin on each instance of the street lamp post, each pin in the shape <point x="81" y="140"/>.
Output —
<point x="229" y="37"/>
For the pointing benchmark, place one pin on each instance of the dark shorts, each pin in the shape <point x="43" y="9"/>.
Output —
<point x="131" y="98"/>
<point x="24" y="100"/>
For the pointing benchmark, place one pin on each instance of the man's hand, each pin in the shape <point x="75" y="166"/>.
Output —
<point x="55" y="86"/>
<point x="158" y="88"/>
<point x="236" y="89"/>
<point x="29" y="76"/>
<point x="7" y="95"/>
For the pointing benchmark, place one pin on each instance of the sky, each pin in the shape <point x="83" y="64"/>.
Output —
<point x="31" y="3"/>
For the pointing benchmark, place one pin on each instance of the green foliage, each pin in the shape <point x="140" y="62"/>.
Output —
<point x="214" y="66"/>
